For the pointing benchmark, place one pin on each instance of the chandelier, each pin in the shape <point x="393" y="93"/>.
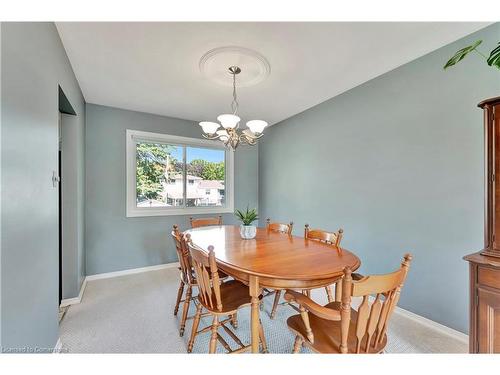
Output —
<point x="229" y="133"/>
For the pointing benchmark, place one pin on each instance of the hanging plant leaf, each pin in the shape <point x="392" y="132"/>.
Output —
<point x="494" y="59"/>
<point x="461" y="54"/>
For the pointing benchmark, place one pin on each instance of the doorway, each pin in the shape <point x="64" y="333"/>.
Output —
<point x="65" y="109"/>
<point x="59" y="174"/>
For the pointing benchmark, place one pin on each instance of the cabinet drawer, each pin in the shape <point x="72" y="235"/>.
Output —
<point x="489" y="277"/>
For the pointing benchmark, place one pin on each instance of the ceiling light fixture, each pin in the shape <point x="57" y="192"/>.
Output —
<point x="230" y="123"/>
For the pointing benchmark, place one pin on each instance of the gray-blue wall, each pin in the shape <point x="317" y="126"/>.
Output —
<point x="34" y="64"/>
<point x="398" y="163"/>
<point x="113" y="241"/>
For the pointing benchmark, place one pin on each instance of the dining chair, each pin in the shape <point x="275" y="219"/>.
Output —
<point x="187" y="278"/>
<point x="333" y="239"/>
<point x="278" y="228"/>
<point x="337" y="327"/>
<point x="219" y="298"/>
<point x="205" y="221"/>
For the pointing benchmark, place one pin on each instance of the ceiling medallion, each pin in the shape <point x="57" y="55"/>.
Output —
<point x="258" y="69"/>
<point x="254" y="67"/>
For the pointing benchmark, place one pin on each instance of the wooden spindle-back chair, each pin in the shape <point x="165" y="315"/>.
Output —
<point x="337" y="327"/>
<point x="186" y="276"/>
<point x="205" y="221"/>
<point x="279" y="227"/>
<point x="330" y="238"/>
<point x="219" y="299"/>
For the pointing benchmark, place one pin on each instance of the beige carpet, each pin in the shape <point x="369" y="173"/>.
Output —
<point x="134" y="314"/>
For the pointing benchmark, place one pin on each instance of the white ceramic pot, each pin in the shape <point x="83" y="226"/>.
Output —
<point x="248" y="232"/>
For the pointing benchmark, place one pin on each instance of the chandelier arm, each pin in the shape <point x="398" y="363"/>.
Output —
<point x="244" y="138"/>
<point x="211" y="137"/>
<point x="255" y="136"/>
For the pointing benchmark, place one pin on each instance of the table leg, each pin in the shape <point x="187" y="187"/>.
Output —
<point x="254" y="293"/>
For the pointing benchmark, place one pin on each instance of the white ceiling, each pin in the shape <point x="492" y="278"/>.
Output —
<point x="153" y="67"/>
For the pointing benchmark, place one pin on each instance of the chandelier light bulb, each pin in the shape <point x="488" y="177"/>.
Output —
<point x="223" y="135"/>
<point x="209" y="127"/>
<point x="256" y="126"/>
<point x="228" y="121"/>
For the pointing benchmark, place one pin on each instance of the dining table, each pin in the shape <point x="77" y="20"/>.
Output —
<point x="273" y="260"/>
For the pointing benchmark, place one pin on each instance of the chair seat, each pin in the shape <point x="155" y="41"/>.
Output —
<point x="222" y="276"/>
<point x="234" y="294"/>
<point x="327" y="333"/>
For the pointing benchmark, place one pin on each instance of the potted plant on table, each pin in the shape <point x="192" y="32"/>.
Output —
<point x="247" y="230"/>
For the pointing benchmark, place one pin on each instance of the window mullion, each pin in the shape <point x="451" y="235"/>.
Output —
<point x="184" y="172"/>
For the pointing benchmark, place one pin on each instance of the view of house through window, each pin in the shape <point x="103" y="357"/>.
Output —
<point x="160" y="171"/>
<point x="206" y="176"/>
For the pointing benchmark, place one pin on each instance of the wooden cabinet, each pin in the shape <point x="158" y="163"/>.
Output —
<point x="491" y="109"/>
<point x="484" y="328"/>
<point x="488" y="320"/>
<point x="484" y="331"/>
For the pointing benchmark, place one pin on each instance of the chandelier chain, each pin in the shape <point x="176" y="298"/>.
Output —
<point x="234" y="104"/>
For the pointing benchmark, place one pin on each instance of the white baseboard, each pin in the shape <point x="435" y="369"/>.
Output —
<point x="75" y="300"/>
<point x="433" y="324"/>
<point x="58" y="347"/>
<point x="108" y="275"/>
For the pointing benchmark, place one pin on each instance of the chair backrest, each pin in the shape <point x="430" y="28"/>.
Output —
<point x="279" y="227"/>
<point x="380" y="295"/>
<point x="205" y="268"/>
<point x="182" y="254"/>
<point x="331" y="238"/>
<point x="205" y="221"/>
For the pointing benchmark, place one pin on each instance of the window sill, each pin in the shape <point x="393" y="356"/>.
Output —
<point x="144" y="212"/>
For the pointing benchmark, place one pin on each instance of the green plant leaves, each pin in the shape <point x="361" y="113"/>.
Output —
<point x="494" y="59"/>
<point x="247" y="217"/>
<point x="459" y="55"/>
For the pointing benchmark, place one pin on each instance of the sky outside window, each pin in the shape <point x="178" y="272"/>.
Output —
<point x="210" y="155"/>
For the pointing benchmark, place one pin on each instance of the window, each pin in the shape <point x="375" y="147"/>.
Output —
<point x="170" y="175"/>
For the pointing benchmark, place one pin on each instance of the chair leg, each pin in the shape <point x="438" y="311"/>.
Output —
<point x="179" y="297"/>
<point x="262" y="338"/>
<point x="185" y="310"/>
<point x="338" y="291"/>
<point x="234" y="320"/>
<point x="277" y="296"/>
<point x="213" y="338"/>
<point x="194" y="329"/>
<point x="297" y="344"/>
<point x="329" y="293"/>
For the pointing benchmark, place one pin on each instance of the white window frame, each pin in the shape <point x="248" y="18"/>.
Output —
<point x="131" y="200"/>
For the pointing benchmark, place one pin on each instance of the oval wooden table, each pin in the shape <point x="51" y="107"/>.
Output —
<point x="273" y="260"/>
